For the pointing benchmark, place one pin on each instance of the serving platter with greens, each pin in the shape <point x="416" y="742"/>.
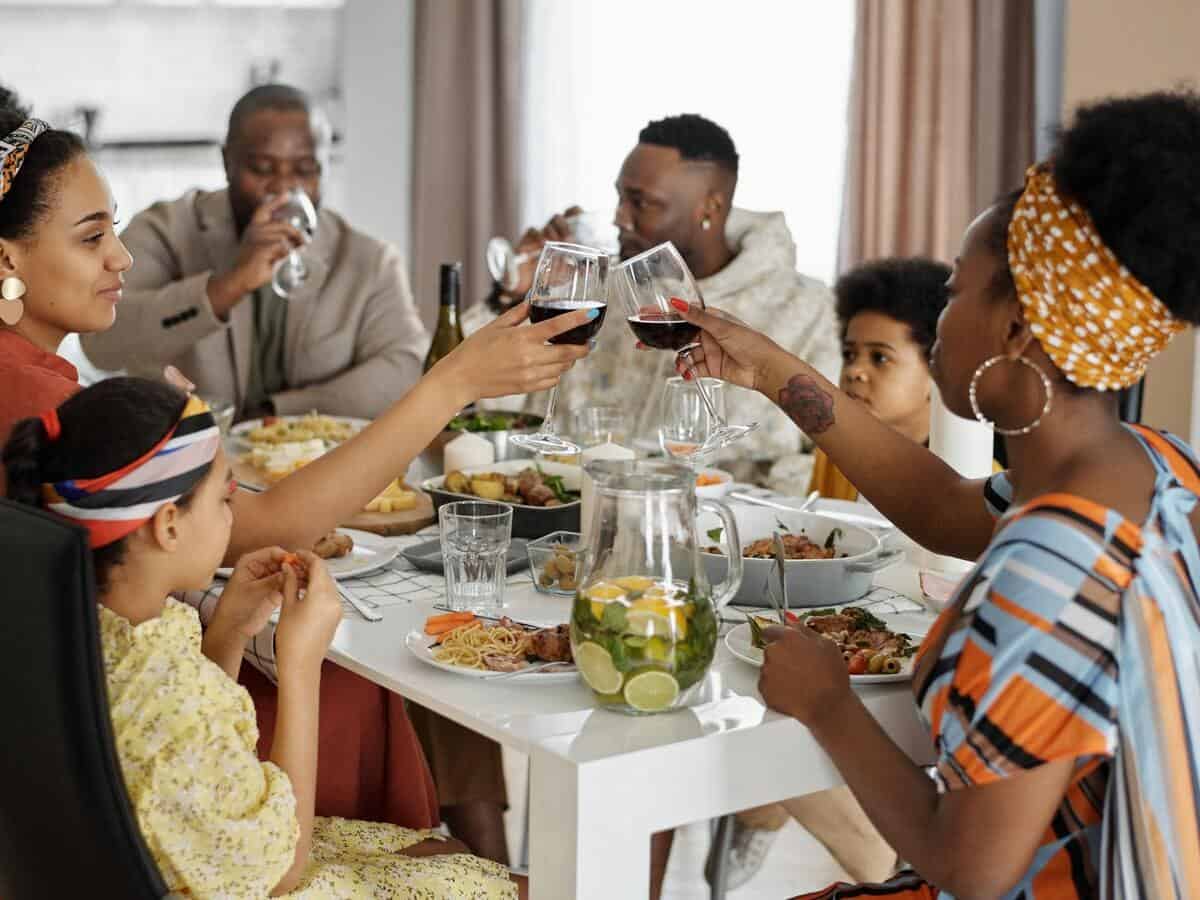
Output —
<point x="544" y="495"/>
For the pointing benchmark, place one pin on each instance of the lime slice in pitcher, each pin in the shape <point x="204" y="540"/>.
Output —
<point x="596" y="666"/>
<point x="651" y="691"/>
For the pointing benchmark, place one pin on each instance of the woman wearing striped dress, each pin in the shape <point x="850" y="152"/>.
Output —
<point x="1062" y="684"/>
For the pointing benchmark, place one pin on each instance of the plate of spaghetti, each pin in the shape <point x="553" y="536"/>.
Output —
<point x="465" y="645"/>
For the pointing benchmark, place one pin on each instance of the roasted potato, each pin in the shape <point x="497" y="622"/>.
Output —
<point x="487" y="489"/>
<point x="457" y="483"/>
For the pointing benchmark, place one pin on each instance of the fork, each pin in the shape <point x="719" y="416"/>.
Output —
<point x="780" y="557"/>
<point x="363" y="610"/>
<point x="537" y="667"/>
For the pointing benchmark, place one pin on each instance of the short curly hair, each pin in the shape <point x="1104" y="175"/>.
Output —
<point x="695" y="137"/>
<point x="910" y="290"/>
<point x="1134" y="164"/>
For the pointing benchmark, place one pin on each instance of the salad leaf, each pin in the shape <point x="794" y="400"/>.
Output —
<point x="714" y="534"/>
<point x="834" y="535"/>
<point x="555" y="483"/>
<point x="485" y="421"/>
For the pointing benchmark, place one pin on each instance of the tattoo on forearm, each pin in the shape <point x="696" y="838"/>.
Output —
<point x="806" y="404"/>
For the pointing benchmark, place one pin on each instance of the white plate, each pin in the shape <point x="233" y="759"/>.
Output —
<point x="914" y="625"/>
<point x="241" y="430"/>
<point x="421" y="646"/>
<point x="370" y="552"/>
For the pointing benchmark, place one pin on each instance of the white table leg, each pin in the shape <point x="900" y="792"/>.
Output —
<point x="586" y="841"/>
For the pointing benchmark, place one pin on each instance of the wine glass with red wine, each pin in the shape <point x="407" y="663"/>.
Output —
<point x="647" y="282"/>
<point x="568" y="277"/>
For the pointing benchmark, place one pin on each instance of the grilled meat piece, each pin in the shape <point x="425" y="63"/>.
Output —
<point x="334" y="546"/>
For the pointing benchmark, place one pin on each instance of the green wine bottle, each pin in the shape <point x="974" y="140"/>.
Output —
<point x="449" y="329"/>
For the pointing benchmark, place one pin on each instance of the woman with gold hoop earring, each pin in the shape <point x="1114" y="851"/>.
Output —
<point x="1060" y="684"/>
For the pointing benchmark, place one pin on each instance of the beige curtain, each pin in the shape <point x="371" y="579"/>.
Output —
<point x="940" y="121"/>
<point x="465" y="139"/>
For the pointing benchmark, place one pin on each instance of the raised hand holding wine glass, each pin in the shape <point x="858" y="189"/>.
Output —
<point x="568" y="277"/>
<point x="648" y="283"/>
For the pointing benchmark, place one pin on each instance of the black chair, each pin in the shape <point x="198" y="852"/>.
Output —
<point x="66" y="827"/>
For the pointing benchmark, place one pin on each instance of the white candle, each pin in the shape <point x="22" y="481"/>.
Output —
<point x="600" y="451"/>
<point x="468" y="450"/>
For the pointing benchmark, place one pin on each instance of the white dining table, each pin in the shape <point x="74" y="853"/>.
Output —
<point x="601" y="782"/>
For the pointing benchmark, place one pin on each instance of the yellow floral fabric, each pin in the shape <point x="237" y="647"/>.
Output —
<point x="222" y="824"/>
<point x="1096" y="321"/>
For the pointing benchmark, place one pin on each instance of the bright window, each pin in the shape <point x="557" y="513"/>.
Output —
<point x="775" y="74"/>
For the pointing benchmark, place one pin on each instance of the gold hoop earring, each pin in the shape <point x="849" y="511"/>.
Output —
<point x="12" y="308"/>
<point x="973" y="394"/>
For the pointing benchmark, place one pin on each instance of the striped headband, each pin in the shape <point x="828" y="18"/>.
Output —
<point x="115" y="505"/>
<point x="1097" y="322"/>
<point x="13" y="149"/>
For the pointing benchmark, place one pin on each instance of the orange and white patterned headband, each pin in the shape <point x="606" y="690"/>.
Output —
<point x="13" y="149"/>
<point x="1097" y="322"/>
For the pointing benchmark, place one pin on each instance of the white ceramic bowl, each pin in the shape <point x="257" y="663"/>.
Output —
<point x="810" y="582"/>
<point x="718" y="490"/>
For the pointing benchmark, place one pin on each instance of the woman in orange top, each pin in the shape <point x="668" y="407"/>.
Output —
<point x="61" y="268"/>
<point x="888" y="312"/>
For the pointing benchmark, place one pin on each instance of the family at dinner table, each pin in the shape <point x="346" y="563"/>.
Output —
<point x="1057" y="686"/>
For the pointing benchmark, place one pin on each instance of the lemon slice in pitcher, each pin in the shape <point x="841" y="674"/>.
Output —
<point x="651" y="691"/>
<point x="596" y="666"/>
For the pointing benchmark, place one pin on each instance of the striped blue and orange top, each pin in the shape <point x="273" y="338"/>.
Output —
<point x="1077" y="636"/>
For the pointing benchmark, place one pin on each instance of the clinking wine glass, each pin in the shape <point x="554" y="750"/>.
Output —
<point x="291" y="272"/>
<point x="592" y="228"/>
<point x="647" y="283"/>
<point x="568" y="278"/>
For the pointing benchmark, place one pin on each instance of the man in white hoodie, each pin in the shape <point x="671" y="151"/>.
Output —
<point x="677" y="185"/>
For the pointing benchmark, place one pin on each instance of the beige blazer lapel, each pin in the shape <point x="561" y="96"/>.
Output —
<point x="303" y="304"/>
<point x="221" y="243"/>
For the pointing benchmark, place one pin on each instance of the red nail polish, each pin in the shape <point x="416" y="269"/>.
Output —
<point x="681" y="305"/>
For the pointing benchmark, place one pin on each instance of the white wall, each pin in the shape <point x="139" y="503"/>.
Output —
<point x="1119" y="47"/>
<point x="378" y="87"/>
<point x="158" y="72"/>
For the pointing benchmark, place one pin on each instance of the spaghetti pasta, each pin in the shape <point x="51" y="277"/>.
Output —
<point x="469" y="644"/>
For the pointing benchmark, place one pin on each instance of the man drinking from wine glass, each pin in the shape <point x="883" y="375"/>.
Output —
<point x="677" y="185"/>
<point x="347" y="340"/>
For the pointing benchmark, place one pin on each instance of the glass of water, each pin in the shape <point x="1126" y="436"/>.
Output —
<point x="686" y="420"/>
<point x="475" y="540"/>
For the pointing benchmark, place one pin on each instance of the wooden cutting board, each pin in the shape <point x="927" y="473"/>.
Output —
<point x="390" y="524"/>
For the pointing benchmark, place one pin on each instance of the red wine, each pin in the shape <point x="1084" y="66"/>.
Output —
<point x="541" y="310"/>
<point x="664" y="331"/>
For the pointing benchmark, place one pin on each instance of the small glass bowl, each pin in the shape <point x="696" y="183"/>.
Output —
<point x="556" y="562"/>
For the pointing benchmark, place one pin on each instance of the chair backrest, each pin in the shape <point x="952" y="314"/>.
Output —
<point x="66" y="827"/>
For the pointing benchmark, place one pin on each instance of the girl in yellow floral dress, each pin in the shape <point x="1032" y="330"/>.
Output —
<point x="140" y="466"/>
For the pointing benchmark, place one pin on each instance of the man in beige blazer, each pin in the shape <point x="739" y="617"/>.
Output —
<point x="348" y="342"/>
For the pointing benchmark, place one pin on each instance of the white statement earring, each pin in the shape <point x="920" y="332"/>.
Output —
<point x="973" y="393"/>
<point x="12" y="289"/>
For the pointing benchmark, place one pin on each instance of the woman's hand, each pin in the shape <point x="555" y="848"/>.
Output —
<point x="505" y="358"/>
<point x="728" y="350"/>
<point x="306" y="622"/>
<point x="803" y="674"/>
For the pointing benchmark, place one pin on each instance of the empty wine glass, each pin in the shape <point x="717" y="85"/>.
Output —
<point x="686" y="423"/>
<point x="648" y="282"/>
<point x="568" y="278"/>
<point x="291" y="272"/>
<point x="592" y="228"/>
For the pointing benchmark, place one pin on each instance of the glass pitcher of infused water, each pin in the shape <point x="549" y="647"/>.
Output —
<point x="644" y="622"/>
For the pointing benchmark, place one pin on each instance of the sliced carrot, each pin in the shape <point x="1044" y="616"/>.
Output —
<point x="442" y="624"/>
